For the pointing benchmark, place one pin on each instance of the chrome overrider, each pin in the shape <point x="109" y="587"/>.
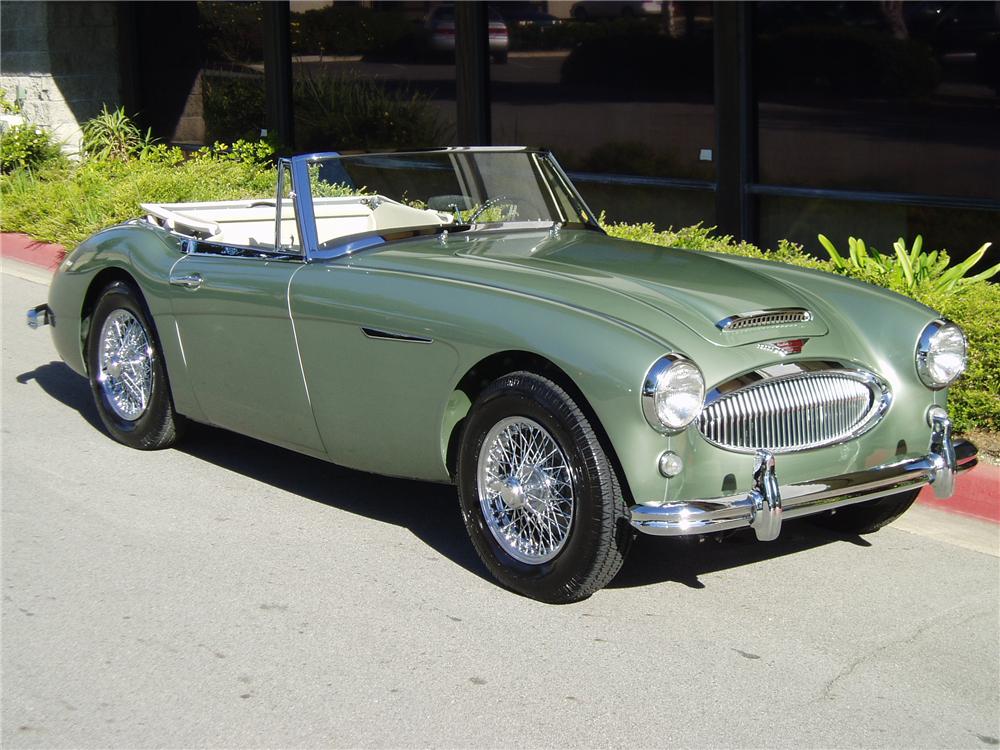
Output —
<point x="764" y="507"/>
<point x="39" y="316"/>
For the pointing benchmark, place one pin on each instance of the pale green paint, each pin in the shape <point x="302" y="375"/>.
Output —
<point x="601" y="310"/>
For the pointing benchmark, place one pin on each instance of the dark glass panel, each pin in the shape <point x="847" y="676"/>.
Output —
<point x="960" y="232"/>
<point x="664" y="206"/>
<point x="884" y="96"/>
<point x="613" y="88"/>
<point x="373" y="75"/>
<point x="232" y="76"/>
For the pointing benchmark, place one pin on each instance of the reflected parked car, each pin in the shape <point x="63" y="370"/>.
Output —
<point x="524" y="15"/>
<point x="586" y="10"/>
<point x="441" y="25"/>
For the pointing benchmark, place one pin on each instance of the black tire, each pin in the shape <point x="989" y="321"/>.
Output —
<point x="158" y="425"/>
<point x="867" y="517"/>
<point x="599" y="535"/>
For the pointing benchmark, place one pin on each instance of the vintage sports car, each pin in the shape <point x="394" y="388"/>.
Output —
<point x="457" y="315"/>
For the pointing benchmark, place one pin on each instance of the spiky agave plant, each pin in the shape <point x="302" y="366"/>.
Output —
<point x="912" y="268"/>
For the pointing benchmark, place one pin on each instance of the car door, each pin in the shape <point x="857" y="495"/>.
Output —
<point x="239" y="345"/>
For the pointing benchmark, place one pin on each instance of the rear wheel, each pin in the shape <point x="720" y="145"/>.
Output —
<point x="127" y="377"/>
<point x="540" y="499"/>
<point x="867" y="517"/>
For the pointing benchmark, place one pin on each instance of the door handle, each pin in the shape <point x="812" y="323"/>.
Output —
<point x="188" y="281"/>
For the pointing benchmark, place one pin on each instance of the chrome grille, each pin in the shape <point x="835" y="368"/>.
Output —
<point x="795" y="412"/>
<point x="764" y="318"/>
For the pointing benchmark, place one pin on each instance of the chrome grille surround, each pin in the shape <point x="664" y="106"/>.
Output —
<point x="786" y="413"/>
<point x="782" y="316"/>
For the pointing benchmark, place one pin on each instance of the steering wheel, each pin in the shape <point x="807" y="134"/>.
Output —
<point x="511" y="200"/>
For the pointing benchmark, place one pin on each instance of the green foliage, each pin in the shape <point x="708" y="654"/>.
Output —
<point x="113" y="136"/>
<point x="911" y="270"/>
<point x="974" y="401"/>
<point x="68" y="203"/>
<point x="7" y="106"/>
<point x="27" y="147"/>
<point x="698" y="237"/>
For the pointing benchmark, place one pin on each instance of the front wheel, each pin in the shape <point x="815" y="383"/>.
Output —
<point x="540" y="499"/>
<point x="127" y="377"/>
<point x="867" y="517"/>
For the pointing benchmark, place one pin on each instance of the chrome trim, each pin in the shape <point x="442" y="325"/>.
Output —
<point x="778" y="412"/>
<point x="648" y="391"/>
<point x="767" y="503"/>
<point x="779" y="316"/>
<point x="376" y="333"/>
<point x="40" y="316"/>
<point x="923" y="349"/>
<point x="188" y="281"/>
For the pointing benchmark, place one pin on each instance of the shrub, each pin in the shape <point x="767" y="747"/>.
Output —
<point x="27" y="147"/>
<point x="66" y="204"/>
<point x="112" y="135"/>
<point x="911" y="270"/>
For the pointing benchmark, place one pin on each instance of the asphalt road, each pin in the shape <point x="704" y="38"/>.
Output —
<point x="228" y="593"/>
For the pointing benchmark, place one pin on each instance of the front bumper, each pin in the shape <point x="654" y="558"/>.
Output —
<point x="764" y="507"/>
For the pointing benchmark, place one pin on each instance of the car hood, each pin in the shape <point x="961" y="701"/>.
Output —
<point x="630" y="281"/>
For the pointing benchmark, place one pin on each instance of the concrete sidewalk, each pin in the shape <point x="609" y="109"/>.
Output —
<point x="977" y="492"/>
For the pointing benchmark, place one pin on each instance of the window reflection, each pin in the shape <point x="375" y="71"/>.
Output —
<point x="884" y="96"/>
<point x="622" y="88"/>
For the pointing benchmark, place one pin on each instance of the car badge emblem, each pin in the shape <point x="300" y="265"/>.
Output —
<point x="784" y="348"/>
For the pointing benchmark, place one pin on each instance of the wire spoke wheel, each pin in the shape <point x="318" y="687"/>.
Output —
<point x="525" y="490"/>
<point x="125" y="361"/>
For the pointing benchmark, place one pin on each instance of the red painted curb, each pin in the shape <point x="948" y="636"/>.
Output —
<point x="23" y="248"/>
<point x="977" y="494"/>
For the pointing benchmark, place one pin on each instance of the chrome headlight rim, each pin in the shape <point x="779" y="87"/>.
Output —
<point x="924" y="351"/>
<point x="650" y="383"/>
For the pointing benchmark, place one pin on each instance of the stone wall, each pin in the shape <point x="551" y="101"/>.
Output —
<point x="62" y="57"/>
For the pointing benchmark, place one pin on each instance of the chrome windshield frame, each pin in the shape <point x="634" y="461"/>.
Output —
<point x="303" y="198"/>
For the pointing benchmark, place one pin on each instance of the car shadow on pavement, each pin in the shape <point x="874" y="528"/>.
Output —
<point x="430" y="511"/>
<point x="65" y="386"/>
<point x="685" y="560"/>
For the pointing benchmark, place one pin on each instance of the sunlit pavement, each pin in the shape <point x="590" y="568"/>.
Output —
<point x="228" y="593"/>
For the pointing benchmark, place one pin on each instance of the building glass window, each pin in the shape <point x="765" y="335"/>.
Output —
<point x="895" y="97"/>
<point x="620" y="89"/>
<point x="959" y="231"/>
<point x="373" y="75"/>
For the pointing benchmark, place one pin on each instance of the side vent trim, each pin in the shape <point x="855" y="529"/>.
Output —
<point x="375" y="333"/>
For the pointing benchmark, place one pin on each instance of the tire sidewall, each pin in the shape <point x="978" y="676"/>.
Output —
<point x="524" y="399"/>
<point x="120" y="296"/>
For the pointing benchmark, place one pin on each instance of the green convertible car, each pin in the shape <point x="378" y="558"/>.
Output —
<point x="458" y="315"/>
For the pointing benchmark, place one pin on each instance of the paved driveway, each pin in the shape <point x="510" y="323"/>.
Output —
<point x="232" y="594"/>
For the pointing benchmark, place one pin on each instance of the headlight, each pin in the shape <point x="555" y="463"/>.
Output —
<point x="941" y="354"/>
<point x="673" y="393"/>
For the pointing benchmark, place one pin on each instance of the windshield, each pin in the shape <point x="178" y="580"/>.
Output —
<point x="455" y="189"/>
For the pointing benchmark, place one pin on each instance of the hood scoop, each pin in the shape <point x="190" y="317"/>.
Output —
<point x="784" y="316"/>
